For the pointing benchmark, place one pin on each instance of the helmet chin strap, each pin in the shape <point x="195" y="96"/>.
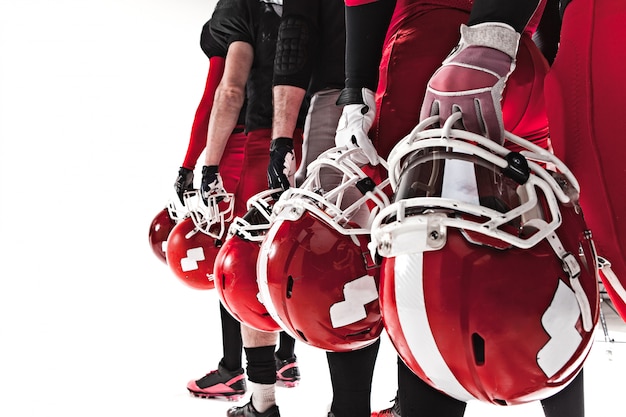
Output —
<point x="572" y="269"/>
<point x="605" y="266"/>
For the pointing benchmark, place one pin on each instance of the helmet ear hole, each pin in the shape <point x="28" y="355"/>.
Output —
<point x="289" y="287"/>
<point x="302" y="336"/>
<point x="478" y="347"/>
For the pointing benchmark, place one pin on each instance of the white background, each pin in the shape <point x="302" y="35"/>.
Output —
<point x="96" y="104"/>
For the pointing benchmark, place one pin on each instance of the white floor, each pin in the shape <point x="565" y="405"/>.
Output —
<point x="96" y="103"/>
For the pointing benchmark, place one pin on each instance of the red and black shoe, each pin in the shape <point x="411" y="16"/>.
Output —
<point x="287" y="372"/>
<point x="393" y="411"/>
<point x="221" y="384"/>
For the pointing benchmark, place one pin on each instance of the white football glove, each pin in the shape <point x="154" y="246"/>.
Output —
<point x="354" y="125"/>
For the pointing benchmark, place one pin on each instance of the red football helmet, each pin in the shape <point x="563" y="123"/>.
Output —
<point x="162" y="225"/>
<point x="235" y="265"/>
<point x="314" y="270"/>
<point x="160" y="229"/>
<point x="488" y="281"/>
<point x="613" y="286"/>
<point x="191" y="254"/>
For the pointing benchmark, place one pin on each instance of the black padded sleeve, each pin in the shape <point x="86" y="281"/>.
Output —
<point x="297" y="44"/>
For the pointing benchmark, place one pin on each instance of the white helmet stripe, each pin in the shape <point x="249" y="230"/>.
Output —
<point x="409" y="291"/>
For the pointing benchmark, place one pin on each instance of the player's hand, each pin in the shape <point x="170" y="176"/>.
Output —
<point x="472" y="78"/>
<point x="355" y="122"/>
<point x="184" y="182"/>
<point x="282" y="165"/>
<point x="211" y="183"/>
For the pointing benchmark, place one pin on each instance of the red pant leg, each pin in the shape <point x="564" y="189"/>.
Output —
<point x="584" y="92"/>
<point x="254" y="170"/>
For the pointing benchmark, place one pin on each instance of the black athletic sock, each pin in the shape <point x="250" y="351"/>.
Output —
<point x="261" y="364"/>
<point x="351" y="376"/>
<point x="418" y="399"/>
<point x="231" y="340"/>
<point x="569" y="402"/>
<point x="286" y="346"/>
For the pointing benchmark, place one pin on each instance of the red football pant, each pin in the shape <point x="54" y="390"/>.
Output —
<point x="584" y="92"/>
<point x="255" y="162"/>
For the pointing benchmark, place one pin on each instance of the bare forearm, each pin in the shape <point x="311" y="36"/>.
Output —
<point x="224" y="116"/>
<point x="287" y="102"/>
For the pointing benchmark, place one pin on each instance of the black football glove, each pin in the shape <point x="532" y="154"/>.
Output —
<point x="211" y="183"/>
<point x="282" y="166"/>
<point x="184" y="182"/>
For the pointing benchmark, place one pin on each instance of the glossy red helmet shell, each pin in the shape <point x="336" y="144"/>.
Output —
<point x="160" y="229"/>
<point x="236" y="283"/>
<point x="321" y="290"/>
<point x="498" y="326"/>
<point x="314" y="270"/>
<point x="490" y="294"/>
<point x="235" y="265"/>
<point x="191" y="255"/>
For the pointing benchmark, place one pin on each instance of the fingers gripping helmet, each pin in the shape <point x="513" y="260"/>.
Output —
<point x="315" y="274"/>
<point x="160" y="229"/>
<point x="488" y="279"/>
<point x="235" y="265"/>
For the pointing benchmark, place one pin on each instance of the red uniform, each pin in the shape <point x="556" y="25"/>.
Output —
<point x="257" y="24"/>
<point x="233" y="153"/>
<point x="584" y="90"/>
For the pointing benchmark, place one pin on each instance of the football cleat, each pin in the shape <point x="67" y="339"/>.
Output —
<point x="249" y="411"/>
<point x="393" y="411"/>
<point x="221" y="384"/>
<point x="287" y="372"/>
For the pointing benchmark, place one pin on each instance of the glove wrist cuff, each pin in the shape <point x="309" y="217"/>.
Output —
<point x="209" y="169"/>
<point x="281" y="142"/>
<point x="353" y="95"/>
<point x="499" y="36"/>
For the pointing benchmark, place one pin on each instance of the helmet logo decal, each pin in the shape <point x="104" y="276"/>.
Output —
<point x="559" y="321"/>
<point x="190" y="263"/>
<point x="357" y="294"/>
